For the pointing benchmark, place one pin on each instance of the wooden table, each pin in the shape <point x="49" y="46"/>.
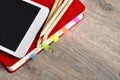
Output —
<point x="90" y="51"/>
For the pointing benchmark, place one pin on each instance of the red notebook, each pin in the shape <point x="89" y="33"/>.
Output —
<point x="73" y="15"/>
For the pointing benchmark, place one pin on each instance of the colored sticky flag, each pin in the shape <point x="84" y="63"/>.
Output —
<point x="33" y="56"/>
<point x="64" y="29"/>
<point x="76" y="20"/>
<point x="45" y="46"/>
<point x="55" y="38"/>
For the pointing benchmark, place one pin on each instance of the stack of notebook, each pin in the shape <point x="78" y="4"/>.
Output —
<point x="69" y="15"/>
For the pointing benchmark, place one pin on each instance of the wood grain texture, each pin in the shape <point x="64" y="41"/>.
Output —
<point x="90" y="51"/>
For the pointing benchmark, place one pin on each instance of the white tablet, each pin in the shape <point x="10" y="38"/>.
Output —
<point x="20" y="22"/>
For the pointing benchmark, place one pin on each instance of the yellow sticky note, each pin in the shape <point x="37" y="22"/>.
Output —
<point x="45" y="46"/>
<point x="55" y="38"/>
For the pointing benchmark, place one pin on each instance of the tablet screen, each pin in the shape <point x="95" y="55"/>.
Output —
<point x="16" y="16"/>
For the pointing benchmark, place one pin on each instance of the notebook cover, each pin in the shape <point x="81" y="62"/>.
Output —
<point x="56" y="36"/>
<point x="74" y="10"/>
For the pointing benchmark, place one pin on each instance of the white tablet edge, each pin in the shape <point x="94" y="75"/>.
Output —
<point x="31" y="33"/>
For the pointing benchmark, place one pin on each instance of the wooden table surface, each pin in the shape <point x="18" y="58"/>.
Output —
<point x="89" y="51"/>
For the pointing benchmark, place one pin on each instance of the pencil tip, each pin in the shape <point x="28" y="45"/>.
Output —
<point x="39" y="42"/>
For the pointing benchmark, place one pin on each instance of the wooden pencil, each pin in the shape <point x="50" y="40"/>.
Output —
<point x="59" y="3"/>
<point x="53" y="18"/>
<point x="50" y="22"/>
<point x="66" y="6"/>
<point x="52" y="10"/>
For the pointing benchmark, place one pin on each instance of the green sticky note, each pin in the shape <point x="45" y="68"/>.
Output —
<point x="55" y="38"/>
<point x="45" y="46"/>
